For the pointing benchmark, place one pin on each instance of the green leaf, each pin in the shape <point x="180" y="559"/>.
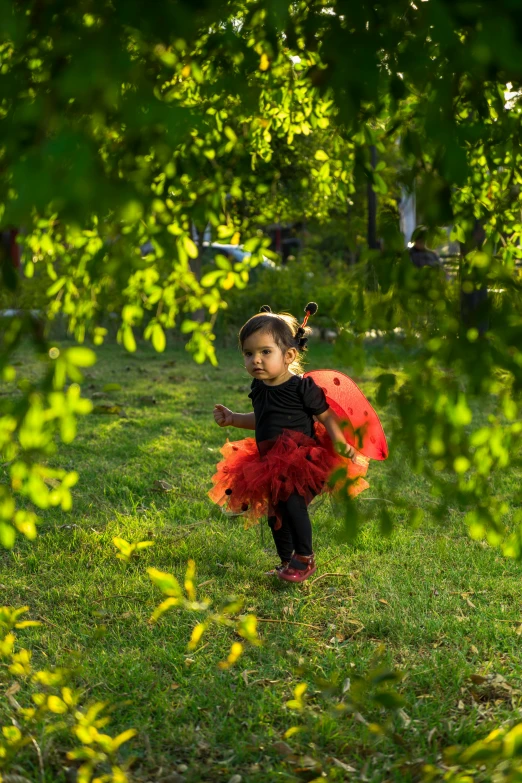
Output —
<point x="167" y="583"/>
<point x="7" y="535"/>
<point x="159" y="340"/>
<point x="222" y="262"/>
<point x="57" y="286"/>
<point x="128" y="339"/>
<point x="210" y="278"/>
<point x="190" y="247"/>
<point x="229" y="133"/>
<point x="458" y="234"/>
<point x="379" y="184"/>
<point x="80" y="357"/>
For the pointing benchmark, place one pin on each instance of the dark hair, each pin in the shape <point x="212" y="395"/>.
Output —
<point x="285" y="330"/>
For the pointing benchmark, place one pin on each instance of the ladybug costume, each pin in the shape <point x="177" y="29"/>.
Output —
<point x="292" y="457"/>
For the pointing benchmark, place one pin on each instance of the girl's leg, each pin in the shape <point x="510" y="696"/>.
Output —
<point x="294" y="512"/>
<point x="282" y="539"/>
<point x="302" y="565"/>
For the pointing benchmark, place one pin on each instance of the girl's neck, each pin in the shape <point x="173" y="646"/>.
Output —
<point x="279" y="379"/>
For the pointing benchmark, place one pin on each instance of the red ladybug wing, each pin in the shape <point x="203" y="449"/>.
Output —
<point x="363" y="430"/>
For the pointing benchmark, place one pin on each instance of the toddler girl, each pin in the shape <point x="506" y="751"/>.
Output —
<point x="293" y="454"/>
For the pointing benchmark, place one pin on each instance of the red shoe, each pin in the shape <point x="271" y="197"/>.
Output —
<point x="299" y="568"/>
<point x="276" y="571"/>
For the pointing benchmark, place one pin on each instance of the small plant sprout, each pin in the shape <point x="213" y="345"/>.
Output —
<point x="128" y="551"/>
<point x="243" y="625"/>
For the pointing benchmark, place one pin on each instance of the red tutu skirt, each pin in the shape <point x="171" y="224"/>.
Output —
<point x="254" y="485"/>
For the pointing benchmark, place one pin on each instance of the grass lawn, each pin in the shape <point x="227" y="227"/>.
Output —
<point x="433" y="603"/>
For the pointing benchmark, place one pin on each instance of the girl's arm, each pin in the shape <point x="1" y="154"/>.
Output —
<point x="224" y="417"/>
<point x="245" y="421"/>
<point x="333" y="428"/>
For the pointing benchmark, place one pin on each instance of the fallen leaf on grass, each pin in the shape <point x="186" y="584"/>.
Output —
<point x="383" y="601"/>
<point x="306" y="763"/>
<point x="478" y="679"/>
<point x="174" y="686"/>
<point x="160" y="485"/>
<point x="342" y="765"/>
<point x="282" y="748"/>
<point x="492" y="688"/>
<point x="245" y="674"/>
<point x="10" y="695"/>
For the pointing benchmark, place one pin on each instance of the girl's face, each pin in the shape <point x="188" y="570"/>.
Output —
<point x="265" y="360"/>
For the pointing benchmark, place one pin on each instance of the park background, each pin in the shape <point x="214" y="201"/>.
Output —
<point x="139" y="639"/>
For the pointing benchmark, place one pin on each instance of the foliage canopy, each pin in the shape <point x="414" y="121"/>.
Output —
<point x="122" y="126"/>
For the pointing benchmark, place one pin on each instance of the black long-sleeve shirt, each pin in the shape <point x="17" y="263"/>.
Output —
<point x="290" y="405"/>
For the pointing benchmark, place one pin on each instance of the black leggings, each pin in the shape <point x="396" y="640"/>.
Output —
<point x="295" y="534"/>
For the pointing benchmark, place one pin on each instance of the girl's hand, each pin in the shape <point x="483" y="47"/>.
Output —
<point x="223" y="416"/>
<point x="359" y="459"/>
<point x="356" y="457"/>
